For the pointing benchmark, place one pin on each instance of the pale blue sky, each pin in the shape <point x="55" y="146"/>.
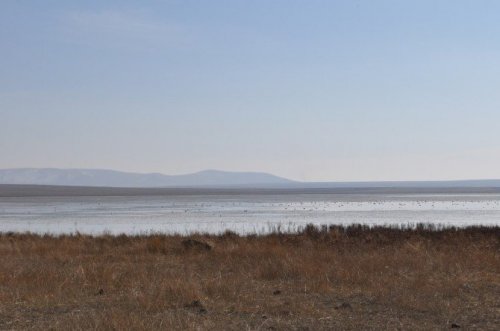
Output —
<point x="310" y="90"/>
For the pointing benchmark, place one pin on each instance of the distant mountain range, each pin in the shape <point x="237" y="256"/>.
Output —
<point x="111" y="178"/>
<point x="207" y="178"/>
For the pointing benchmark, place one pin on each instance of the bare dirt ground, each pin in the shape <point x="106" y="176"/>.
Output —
<point x="352" y="278"/>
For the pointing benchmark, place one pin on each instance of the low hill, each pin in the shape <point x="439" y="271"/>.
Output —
<point x="98" y="177"/>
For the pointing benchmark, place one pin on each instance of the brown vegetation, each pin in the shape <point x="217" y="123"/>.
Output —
<point x="329" y="278"/>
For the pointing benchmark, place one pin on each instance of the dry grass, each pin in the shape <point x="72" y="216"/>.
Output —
<point x="336" y="278"/>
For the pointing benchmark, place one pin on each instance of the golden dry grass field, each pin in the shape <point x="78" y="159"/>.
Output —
<point x="336" y="278"/>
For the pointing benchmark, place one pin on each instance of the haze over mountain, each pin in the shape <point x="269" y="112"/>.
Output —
<point x="112" y="178"/>
<point x="207" y="178"/>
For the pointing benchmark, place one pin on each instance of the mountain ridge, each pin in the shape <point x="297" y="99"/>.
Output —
<point x="114" y="178"/>
<point x="204" y="178"/>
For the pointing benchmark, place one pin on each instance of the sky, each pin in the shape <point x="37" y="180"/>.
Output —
<point x="309" y="90"/>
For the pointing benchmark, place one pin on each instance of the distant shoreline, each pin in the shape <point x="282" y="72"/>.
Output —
<point x="15" y="190"/>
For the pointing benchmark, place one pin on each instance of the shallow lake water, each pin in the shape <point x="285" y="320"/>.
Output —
<point x="245" y="213"/>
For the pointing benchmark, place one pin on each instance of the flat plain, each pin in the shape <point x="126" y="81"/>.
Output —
<point x="335" y="278"/>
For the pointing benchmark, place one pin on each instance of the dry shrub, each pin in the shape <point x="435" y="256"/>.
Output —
<point x="156" y="244"/>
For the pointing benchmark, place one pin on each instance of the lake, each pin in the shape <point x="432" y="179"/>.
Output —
<point x="241" y="213"/>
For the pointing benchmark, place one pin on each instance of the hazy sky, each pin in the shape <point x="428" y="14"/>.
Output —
<point x="310" y="90"/>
